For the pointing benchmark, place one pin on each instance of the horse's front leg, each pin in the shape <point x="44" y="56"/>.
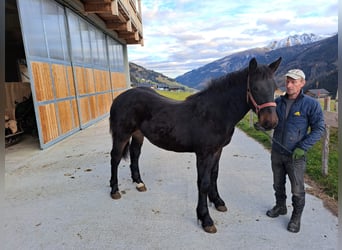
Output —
<point x="135" y="150"/>
<point x="213" y="192"/>
<point x="205" y="163"/>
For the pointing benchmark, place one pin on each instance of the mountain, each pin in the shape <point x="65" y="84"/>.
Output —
<point x="294" y="40"/>
<point x="317" y="59"/>
<point x="144" y="77"/>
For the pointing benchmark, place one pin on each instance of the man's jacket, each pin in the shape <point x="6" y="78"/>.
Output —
<point x="293" y="131"/>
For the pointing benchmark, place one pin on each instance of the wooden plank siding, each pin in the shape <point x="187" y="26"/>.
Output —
<point x="76" y="113"/>
<point x="89" y="74"/>
<point x="118" y="81"/>
<point x="93" y="107"/>
<point x="104" y="101"/>
<point x="44" y="92"/>
<point x="71" y="81"/>
<point x="102" y="80"/>
<point x="64" y="86"/>
<point x="103" y="84"/>
<point x="81" y="80"/>
<point x="66" y="116"/>
<point x="42" y="81"/>
<point x="48" y="122"/>
<point x="61" y="83"/>
<point x="84" y="76"/>
<point x="69" y="98"/>
<point x="91" y="84"/>
<point x="84" y="110"/>
<point x="56" y="100"/>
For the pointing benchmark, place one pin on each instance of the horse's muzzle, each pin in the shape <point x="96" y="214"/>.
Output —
<point x="268" y="118"/>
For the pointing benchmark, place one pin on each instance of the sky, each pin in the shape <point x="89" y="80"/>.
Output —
<point x="182" y="35"/>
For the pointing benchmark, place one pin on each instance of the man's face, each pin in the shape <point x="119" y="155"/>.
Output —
<point x="293" y="87"/>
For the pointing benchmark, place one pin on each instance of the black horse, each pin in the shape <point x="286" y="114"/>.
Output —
<point x="203" y="123"/>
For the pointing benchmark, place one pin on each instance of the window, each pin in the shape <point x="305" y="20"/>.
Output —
<point x="33" y="30"/>
<point x="54" y="23"/>
<point x="116" y="58"/>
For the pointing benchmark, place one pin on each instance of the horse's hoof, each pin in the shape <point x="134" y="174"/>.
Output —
<point x="222" y="208"/>
<point x="116" y="195"/>
<point x="210" y="229"/>
<point x="141" y="187"/>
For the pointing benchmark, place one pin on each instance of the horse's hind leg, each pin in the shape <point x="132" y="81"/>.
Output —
<point x="213" y="192"/>
<point x="118" y="150"/>
<point x="135" y="150"/>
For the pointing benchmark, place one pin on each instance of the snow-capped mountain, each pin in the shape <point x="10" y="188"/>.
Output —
<point x="294" y="40"/>
<point x="317" y="59"/>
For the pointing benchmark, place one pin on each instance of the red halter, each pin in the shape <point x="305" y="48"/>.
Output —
<point x="256" y="106"/>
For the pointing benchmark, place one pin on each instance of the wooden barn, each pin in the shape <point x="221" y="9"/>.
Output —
<point x="317" y="93"/>
<point x="71" y="56"/>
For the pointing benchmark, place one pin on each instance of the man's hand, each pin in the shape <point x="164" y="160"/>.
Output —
<point x="298" y="153"/>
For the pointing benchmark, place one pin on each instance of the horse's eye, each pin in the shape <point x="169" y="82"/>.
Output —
<point x="255" y="88"/>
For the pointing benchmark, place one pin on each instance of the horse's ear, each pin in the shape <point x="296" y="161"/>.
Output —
<point x="253" y="64"/>
<point x="274" y="66"/>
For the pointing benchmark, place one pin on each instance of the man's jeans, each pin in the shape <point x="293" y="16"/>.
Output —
<point x="282" y="165"/>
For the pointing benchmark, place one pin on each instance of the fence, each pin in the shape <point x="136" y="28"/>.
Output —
<point x="331" y="120"/>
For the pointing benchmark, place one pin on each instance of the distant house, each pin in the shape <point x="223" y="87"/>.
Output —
<point x="317" y="93"/>
<point x="142" y="84"/>
<point x="162" y="86"/>
<point x="177" y="88"/>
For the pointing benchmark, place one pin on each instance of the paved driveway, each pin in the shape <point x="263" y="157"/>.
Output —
<point x="59" y="199"/>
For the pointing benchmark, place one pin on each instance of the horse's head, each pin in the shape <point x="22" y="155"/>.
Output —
<point x="260" y="92"/>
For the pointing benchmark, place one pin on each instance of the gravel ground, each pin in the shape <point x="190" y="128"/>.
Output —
<point x="59" y="198"/>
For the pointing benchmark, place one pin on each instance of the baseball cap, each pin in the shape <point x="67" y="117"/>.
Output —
<point x="295" y="74"/>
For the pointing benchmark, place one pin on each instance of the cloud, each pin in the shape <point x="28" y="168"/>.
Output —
<point x="181" y="35"/>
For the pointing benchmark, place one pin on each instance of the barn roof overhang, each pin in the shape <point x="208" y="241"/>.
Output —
<point x="120" y="18"/>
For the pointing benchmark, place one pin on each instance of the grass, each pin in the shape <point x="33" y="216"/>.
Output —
<point x="175" y="95"/>
<point x="329" y="183"/>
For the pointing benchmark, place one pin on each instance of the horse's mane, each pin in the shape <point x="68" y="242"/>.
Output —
<point x="221" y="84"/>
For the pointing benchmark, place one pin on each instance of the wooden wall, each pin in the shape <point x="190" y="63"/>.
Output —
<point x="70" y="98"/>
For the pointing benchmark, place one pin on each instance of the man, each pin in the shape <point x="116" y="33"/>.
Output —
<point x="292" y="138"/>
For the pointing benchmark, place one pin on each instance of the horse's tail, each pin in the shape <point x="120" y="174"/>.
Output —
<point x="111" y="126"/>
<point x="126" y="148"/>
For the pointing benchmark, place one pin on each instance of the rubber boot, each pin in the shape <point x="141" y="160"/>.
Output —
<point x="294" y="224"/>
<point x="279" y="209"/>
<point x="298" y="203"/>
